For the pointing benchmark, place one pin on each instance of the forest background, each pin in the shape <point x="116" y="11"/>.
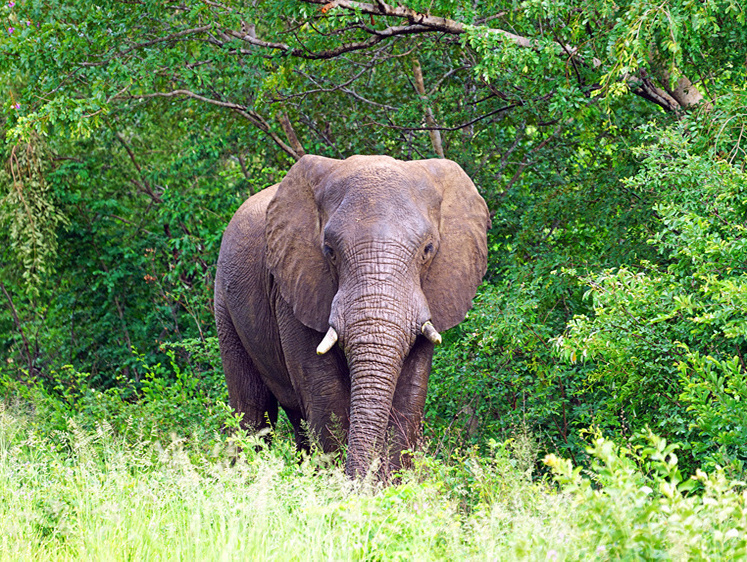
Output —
<point x="608" y="139"/>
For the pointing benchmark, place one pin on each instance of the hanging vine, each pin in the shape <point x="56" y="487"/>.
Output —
<point x="27" y="211"/>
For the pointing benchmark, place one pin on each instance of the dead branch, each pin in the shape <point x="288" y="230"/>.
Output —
<point x="430" y="120"/>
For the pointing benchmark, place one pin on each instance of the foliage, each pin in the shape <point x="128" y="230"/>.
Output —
<point x="188" y="395"/>
<point x="637" y="505"/>
<point x="500" y="377"/>
<point x="668" y="340"/>
<point x="607" y="139"/>
<point x="28" y="213"/>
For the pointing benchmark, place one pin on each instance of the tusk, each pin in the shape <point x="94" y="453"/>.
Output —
<point x="431" y="333"/>
<point x="329" y="340"/>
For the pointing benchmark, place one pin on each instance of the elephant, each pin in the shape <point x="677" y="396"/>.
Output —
<point x="331" y="289"/>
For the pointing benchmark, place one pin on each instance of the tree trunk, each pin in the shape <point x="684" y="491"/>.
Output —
<point x="430" y="120"/>
<point x="290" y="134"/>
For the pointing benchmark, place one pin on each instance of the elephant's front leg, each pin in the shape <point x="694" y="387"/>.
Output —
<point x="248" y="394"/>
<point x="406" y="419"/>
<point x="320" y="382"/>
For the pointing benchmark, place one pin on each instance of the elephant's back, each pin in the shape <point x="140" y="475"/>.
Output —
<point x="245" y="234"/>
<point x="252" y="213"/>
<point x="241" y="278"/>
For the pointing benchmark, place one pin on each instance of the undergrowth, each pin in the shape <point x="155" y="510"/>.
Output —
<point x="131" y="490"/>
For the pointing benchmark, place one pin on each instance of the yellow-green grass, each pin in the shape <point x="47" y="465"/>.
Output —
<point x="93" y="494"/>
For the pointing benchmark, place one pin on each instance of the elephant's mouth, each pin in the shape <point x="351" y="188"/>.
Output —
<point x="331" y="337"/>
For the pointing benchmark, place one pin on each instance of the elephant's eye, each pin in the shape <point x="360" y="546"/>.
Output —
<point x="329" y="252"/>
<point x="428" y="251"/>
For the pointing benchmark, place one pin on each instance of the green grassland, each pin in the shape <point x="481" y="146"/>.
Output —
<point x="116" y="482"/>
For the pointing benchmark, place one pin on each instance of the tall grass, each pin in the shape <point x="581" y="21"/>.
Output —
<point x="94" y="493"/>
<point x="89" y="494"/>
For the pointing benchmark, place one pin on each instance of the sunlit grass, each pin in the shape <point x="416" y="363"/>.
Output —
<point x="89" y="494"/>
<point x="92" y="494"/>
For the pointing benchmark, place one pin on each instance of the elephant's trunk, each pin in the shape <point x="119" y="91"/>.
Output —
<point x="375" y="363"/>
<point x="379" y="328"/>
<point x="378" y="312"/>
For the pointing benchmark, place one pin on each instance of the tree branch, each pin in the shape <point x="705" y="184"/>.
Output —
<point x="19" y="327"/>
<point x="430" y="120"/>
<point x="290" y="133"/>
<point x="366" y="68"/>
<point x="255" y="118"/>
<point x="684" y="95"/>
<point x="525" y="161"/>
<point x="144" y="184"/>
<point x="179" y="35"/>
<point x="341" y="88"/>
<point x="377" y="37"/>
<point x="455" y="127"/>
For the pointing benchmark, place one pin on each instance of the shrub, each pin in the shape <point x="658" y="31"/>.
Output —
<point x="187" y="395"/>
<point x="636" y="504"/>
<point x="666" y="343"/>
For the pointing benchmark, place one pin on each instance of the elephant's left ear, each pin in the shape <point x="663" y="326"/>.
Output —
<point x="460" y="264"/>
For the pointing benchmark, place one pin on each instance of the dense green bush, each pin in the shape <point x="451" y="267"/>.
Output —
<point x="186" y="395"/>
<point x="497" y="374"/>
<point x="658" y="341"/>
<point x="668" y="340"/>
<point x="637" y="505"/>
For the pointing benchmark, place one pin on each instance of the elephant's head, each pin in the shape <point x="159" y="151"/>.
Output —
<point x="376" y="252"/>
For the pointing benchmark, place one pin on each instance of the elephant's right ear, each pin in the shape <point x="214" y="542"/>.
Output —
<point x="294" y="242"/>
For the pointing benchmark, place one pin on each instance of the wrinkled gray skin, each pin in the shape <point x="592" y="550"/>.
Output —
<point x="373" y="247"/>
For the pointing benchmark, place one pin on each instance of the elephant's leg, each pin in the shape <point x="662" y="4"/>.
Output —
<point x="321" y="382"/>
<point x="330" y="409"/>
<point x="406" y="418"/>
<point x="248" y="395"/>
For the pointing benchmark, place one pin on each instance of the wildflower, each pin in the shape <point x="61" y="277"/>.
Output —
<point x="17" y="106"/>
<point x="11" y="4"/>
<point x="552" y="554"/>
<point x="11" y="30"/>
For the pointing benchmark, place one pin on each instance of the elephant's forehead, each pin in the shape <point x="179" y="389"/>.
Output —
<point x="358" y="220"/>
<point x="370" y="205"/>
<point x="377" y="187"/>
